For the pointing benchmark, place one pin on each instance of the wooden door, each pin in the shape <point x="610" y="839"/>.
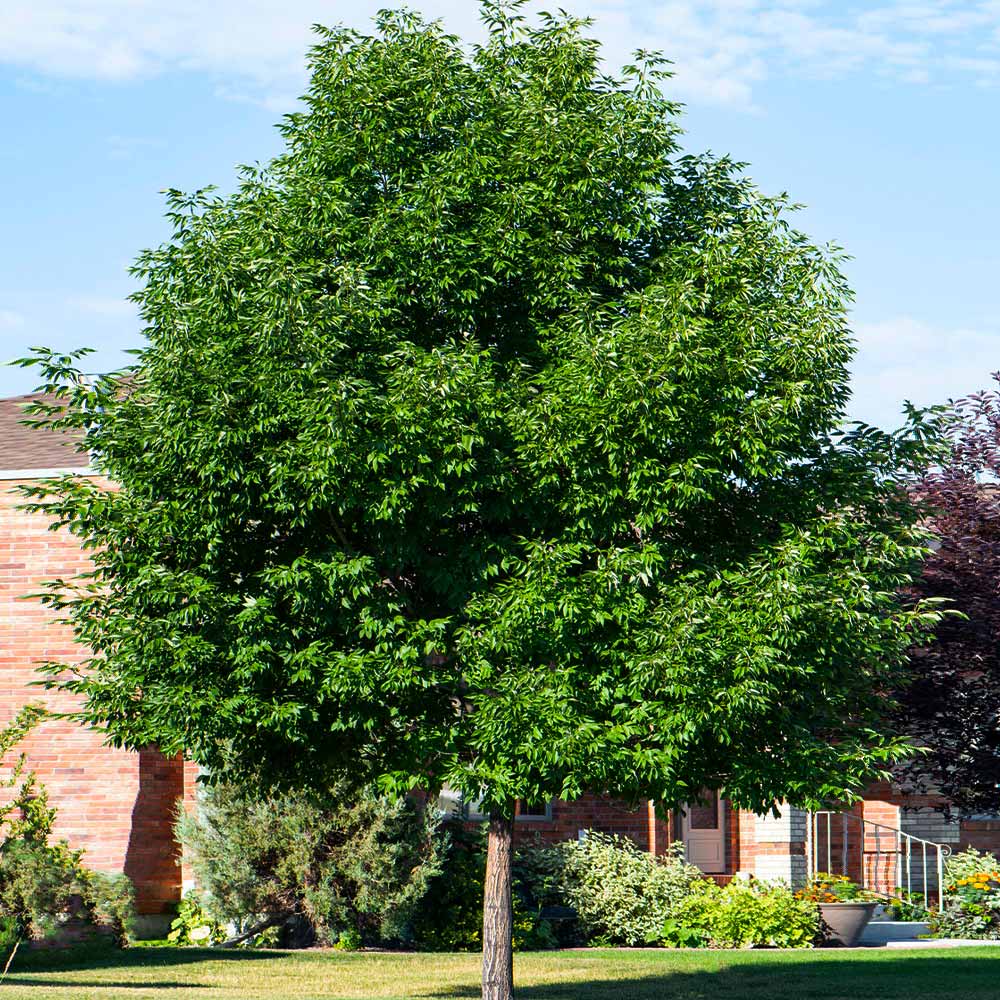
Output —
<point x="703" y="829"/>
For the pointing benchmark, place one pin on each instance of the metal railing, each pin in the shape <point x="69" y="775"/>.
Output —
<point x="882" y="859"/>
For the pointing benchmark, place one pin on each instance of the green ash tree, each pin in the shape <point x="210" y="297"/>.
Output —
<point x="485" y="437"/>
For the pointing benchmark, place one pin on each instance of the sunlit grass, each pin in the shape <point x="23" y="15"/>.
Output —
<point x="168" y="974"/>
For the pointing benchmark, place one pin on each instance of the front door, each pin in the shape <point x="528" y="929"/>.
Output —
<point x="704" y="835"/>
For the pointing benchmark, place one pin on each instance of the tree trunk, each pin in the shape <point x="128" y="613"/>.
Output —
<point x="498" y="915"/>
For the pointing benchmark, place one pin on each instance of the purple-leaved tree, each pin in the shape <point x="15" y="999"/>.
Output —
<point x="952" y="705"/>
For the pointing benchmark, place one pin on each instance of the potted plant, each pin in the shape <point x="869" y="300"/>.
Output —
<point x="845" y="908"/>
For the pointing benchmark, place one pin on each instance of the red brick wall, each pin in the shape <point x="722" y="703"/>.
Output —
<point x="190" y="778"/>
<point x="982" y="834"/>
<point x="650" y="830"/>
<point x="882" y="804"/>
<point x="734" y="836"/>
<point x="116" y="805"/>
<point x="746" y="842"/>
<point x="593" y="812"/>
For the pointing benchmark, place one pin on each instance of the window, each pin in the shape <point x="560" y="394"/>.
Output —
<point x="704" y="815"/>
<point x="537" y="811"/>
<point x="452" y="804"/>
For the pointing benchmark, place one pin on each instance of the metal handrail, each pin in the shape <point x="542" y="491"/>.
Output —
<point x="899" y="851"/>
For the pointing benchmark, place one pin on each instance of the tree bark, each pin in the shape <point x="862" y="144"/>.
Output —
<point x="498" y="914"/>
<point x="256" y="929"/>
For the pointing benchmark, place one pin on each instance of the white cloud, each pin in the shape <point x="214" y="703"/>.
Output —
<point x="260" y="40"/>
<point x="721" y="48"/>
<point x="904" y="358"/>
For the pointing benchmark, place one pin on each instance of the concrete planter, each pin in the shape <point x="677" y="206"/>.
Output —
<point x="843" y="923"/>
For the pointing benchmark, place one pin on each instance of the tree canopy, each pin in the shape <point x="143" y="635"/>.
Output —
<point x="485" y="436"/>
<point x="951" y="706"/>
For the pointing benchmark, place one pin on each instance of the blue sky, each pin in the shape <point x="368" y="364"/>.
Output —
<point x="880" y="117"/>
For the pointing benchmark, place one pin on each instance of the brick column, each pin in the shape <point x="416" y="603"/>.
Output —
<point x="659" y="834"/>
<point x="780" y="850"/>
<point x="190" y="801"/>
<point x="882" y="871"/>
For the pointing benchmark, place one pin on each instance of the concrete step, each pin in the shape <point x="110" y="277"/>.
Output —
<point x="888" y="932"/>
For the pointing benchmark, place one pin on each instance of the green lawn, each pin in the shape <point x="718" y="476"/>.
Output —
<point x="167" y="974"/>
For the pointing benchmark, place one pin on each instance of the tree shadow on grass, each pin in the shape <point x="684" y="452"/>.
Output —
<point x="108" y="984"/>
<point x="81" y="959"/>
<point x="943" y="976"/>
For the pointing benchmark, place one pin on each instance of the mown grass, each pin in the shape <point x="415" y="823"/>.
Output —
<point x="168" y="974"/>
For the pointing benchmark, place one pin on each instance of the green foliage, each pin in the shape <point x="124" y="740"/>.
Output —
<point x="38" y="882"/>
<point x="193" y="925"/>
<point x="908" y="905"/>
<point x="679" y="934"/>
<point x="620" y="894"/>
<point x="971" y="899"/>
<point x="742" y="914"/>
<point x="342" y="862"/>
<point x="532" y="932"/>
<point x="969" y="863"/>
<point x="450" y="917"/>
<point x="486" y="437"/>
<point x="10" y="937"/>
<point x="43" y="883"/>
<point x="112" y="902"/>
<point x="968" y="921"/>
<point x="348" y="940"/>
<point x="24" y="813"/>
<point x="824" y="887"/>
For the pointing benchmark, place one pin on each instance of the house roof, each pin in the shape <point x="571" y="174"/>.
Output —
<point x="34" y="448"/>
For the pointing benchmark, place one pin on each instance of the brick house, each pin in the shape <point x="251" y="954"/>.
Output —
<point x="885" y="841"/>
<point x="119" y="806"/>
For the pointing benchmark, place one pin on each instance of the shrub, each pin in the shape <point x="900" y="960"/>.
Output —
<point x="193" y="925"/>
<point x="968" y="863"/>
<point x="968" y="919"/>
<point x="908" y="905"/>
<point x="971" y="898"/>
<point x="323" y="867"/>
<point x="741" y="915"/>
<point x="620" y="894"/>
<point x="450" y="917"/>
<point x="44" y="887"/>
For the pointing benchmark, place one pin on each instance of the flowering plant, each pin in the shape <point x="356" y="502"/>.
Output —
<point x="824" y="887"/>
<point x="971" y="898"/>
<point x="974" y="888"/>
